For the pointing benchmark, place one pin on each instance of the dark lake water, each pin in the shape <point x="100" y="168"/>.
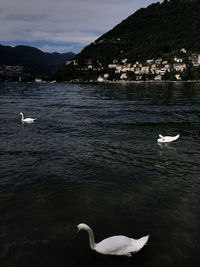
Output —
<point x="92" y="156"/>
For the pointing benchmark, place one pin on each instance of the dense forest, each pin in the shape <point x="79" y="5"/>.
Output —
<point x="150" y="32"/>
<point x="160" y="30"/>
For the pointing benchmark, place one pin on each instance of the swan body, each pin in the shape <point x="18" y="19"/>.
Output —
<point x="115" y="245"/>
<point x="27" y="120"/>
<point x="167" y="139"/>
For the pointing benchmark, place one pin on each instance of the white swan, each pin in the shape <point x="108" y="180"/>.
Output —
<point x="167" y="139"/>
<point x="115" y="245"/>
<point x="27" y="120"/>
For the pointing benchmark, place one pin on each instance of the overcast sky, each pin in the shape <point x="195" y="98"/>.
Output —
<point x="61" y="25"/>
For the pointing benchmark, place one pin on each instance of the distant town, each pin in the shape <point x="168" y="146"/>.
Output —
<point x="180" y="65"/>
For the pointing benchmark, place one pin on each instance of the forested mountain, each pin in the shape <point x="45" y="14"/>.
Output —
<point x="31" y="60"/>
<point x="149" y="33"/>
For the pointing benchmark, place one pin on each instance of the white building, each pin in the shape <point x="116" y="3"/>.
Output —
<point x="124" y="60"/>
<point x="123" y="76"/>
<point x="178" y="60"/>
<point x="112" y="66"/>
<point x="106" y="75"/>
<point x="198" y="59"/>
<point x="100" y="79"/>
<point x="178" y="77"/>
<point x="145" y="69"/>
<point x="158" y="78"/>
<point x="180" y="67"/>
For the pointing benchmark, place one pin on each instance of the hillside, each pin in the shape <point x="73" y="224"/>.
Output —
<point x="149" y="33"/>
<point x="33" y="61"/>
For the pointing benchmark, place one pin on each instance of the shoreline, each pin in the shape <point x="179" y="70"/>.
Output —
<point x="127" y="82"/>
<point x="105" y="82"/>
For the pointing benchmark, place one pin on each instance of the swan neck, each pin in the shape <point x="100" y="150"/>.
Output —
<point x="91" y="238"/>
<point x="22" y="116"/>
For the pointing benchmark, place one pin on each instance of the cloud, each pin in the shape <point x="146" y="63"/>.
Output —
<point x="64" y="23"/>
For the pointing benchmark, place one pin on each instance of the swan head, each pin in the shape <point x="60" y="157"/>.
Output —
<point x="21" y="113"/>
<point x="82" y="226"/>
<point x="160" y="135"/>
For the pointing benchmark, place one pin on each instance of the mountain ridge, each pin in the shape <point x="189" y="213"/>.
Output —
<point x="149" y="32"/>
<point x="33" y="61"/>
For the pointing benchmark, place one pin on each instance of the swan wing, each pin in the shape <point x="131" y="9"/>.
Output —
<point x="29" y="120"/>
<point x="167" y="139"/>
<point x="115" y="245"/>
<point x="120" y="245"/>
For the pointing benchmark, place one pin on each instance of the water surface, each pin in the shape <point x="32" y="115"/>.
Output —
<point x="92" y="156"/>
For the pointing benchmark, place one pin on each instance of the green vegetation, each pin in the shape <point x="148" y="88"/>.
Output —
<point x="149" y="33"/>
<point x="159" y="31"/>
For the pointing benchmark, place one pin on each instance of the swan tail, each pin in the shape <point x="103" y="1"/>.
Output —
<point x="176" y="137"/>
<point x="140" y="243"/>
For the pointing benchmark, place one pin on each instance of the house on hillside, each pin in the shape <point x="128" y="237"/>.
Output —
<point x="178" y="60"/>
<point x="195" y="60"/>
<point x="158" y="61"/>
<point x="158" y="78"/>
<point x="178" y="77"/>
<point x="180" y="67"/>
<point x="145" y="70"/>
<point x="150" y="61"/>
<point x="100" y="79"/>
<point x="112" y="66"/>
